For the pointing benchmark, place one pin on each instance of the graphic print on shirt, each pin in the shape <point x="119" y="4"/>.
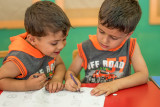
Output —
<point x="49" y="69"/>
<point x="111" y="70"/>
<point x="100" y="76"/>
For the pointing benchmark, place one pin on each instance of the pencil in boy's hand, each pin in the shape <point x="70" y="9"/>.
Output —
<point x="74" y="81"/>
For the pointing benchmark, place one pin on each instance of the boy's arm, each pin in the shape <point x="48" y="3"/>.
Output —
<point x="9" y="71"/>
<point x="75" y="67"/>
<point x="56" y="83"/>
<point x="140" y="68"/>
<point x="60" y="69"/>
<point x="139" y="77"/>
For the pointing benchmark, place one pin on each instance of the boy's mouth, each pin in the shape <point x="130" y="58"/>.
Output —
<point x="57" y="52"/>
<point x="103" y="46"/>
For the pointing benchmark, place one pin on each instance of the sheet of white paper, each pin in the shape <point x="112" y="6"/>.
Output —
<point x="42" y="98"/>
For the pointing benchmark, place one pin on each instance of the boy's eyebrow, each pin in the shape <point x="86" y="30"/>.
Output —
<point x="109" y="34"/>
<point x="99" y="28"/>
<point x="115" y="36"/>
<point x="55" y="40"/>
<point x="60" y="39"/>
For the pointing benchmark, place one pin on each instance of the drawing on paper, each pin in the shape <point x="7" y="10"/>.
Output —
<point x="43" y="98"/>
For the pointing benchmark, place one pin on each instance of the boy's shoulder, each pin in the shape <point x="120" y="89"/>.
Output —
<point x="19" y="45"/>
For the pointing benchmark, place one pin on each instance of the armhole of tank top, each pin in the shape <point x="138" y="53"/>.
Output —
<point x="131" y="48"/>
<point x="19" y="64"/>
<point x="82" y="55"/>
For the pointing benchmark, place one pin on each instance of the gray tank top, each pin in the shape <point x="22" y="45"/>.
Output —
<point x="29" y="65"/>
<point x="103" y="66"/>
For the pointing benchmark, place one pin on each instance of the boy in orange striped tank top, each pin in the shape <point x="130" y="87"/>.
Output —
<point x="34" y="59"/>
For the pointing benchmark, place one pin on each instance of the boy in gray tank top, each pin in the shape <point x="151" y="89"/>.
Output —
<point x="108" y="55"/>
<point x="34" y="58"/>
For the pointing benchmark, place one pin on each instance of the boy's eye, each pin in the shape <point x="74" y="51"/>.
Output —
<point x="53" y="44"/>
<point x="114" y="38"/>
<point x="101" y="31"/>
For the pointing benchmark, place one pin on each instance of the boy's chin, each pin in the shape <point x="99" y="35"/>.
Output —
<point x="105" y="49"/>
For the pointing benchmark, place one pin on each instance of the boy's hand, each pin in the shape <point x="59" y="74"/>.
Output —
<point x="71" y="86"/>
<point x="54" y="85"/>
<point x="105" y="88"/>
<point x="36" y="81"/>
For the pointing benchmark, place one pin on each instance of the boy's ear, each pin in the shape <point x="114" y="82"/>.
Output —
<point x="31" y="39"/>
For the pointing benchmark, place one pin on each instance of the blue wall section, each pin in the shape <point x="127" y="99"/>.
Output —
<point x="148" y="37"/>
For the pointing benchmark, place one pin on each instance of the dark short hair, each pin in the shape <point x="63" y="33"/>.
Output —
<point x="45" y="16"/>
<point x="123" y="15"/>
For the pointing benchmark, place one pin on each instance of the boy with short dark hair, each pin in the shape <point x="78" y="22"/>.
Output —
<point x="108" y="55"/>
<point x="34" y="58"/>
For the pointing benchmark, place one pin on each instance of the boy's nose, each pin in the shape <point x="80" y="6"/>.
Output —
<point x="106" y="39"/>
<point x="61" y="46"/>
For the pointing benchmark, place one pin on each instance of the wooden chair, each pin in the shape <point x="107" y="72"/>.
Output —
<point x="3" y="54"/>
<point x="74" y="54"/>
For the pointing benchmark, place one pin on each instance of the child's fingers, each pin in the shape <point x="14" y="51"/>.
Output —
<point x="46" y="82"/>
<point x="42" y="76"/>
<point x="74" y="86"/>
<point x="79" y="84"/>
<point x="70" y="87"/>
<point x="107" y="93"/>
<point x="66" y="86"/>
<point x="58" y="86"/>
<point x="47" y="87"/>
<point x="62" y="87"/>
<point x="94" y="91"/>
<point x="42" y="80"/>
<point x="53" y="88"/>
<point x="100" y="93"/>
<point x="73" y="89"/>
